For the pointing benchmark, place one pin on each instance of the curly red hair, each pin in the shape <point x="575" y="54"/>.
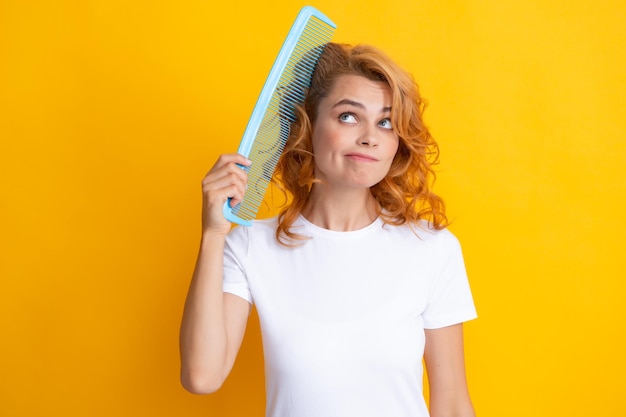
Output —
<point x="405" y="194"/>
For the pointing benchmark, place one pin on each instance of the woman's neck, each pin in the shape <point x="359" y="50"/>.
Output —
<point x="341" y="211"/>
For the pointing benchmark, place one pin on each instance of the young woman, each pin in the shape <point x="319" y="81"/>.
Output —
<point x="357" y="279"/>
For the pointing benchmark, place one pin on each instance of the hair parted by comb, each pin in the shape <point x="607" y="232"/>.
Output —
<point x="405" y="194"/>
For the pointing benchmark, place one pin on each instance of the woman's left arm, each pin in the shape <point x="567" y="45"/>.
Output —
<point x="445" y="365"/>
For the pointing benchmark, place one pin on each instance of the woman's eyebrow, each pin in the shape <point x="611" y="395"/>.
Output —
<point x="349" y="102"/>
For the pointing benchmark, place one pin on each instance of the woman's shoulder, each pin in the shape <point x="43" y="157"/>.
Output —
<point x="260" y="229"/>
<point x="424" y="233"/>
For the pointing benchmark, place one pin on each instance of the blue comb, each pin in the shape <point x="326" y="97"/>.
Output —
<point x="268" y="128"/>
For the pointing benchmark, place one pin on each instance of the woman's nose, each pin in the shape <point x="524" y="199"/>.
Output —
<point x="368" y="136"/>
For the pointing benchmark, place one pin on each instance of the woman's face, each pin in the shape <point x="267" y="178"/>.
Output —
<point x="353" y="140"/>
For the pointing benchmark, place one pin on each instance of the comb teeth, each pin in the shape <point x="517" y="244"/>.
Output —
<point x="273" y="130"/>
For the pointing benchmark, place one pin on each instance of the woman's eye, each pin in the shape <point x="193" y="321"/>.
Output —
<point x="347" y="117"/>
<point x="385" y="123"/>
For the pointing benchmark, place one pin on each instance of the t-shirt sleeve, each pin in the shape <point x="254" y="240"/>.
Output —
<point x="235" y="280"/>
<point x="450" y="299"/>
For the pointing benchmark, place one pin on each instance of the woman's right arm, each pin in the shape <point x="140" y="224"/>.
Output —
<point x="214" y="322"/>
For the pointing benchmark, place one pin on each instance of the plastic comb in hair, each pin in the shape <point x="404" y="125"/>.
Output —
<point x="268" y="128"/>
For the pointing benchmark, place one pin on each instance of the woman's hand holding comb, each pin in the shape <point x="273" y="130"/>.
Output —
<point x="226" y="180"/>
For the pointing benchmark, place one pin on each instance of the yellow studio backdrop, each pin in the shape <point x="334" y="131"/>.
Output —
<point x="111" y="112"/>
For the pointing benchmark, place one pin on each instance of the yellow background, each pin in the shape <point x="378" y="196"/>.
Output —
<point x="112" y="111"/>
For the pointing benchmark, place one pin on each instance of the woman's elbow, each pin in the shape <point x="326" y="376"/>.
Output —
<point x="201" y="383"/>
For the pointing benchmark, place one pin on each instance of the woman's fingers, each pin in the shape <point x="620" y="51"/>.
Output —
<point x="226" y="180"/>
<point x="229" y="160"/>
<point x="224" y="167"/>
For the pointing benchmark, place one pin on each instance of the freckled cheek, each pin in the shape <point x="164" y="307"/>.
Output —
<point x="392" y="149"/>
<point x="325" y="141"/>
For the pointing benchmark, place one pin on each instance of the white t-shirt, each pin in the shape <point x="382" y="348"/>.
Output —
<point x="343" y="315"/>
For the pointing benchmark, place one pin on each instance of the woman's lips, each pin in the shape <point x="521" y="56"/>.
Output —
<point x="361" y="157"/>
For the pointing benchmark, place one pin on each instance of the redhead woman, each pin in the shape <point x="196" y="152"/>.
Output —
<point x="357" y="279"/>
